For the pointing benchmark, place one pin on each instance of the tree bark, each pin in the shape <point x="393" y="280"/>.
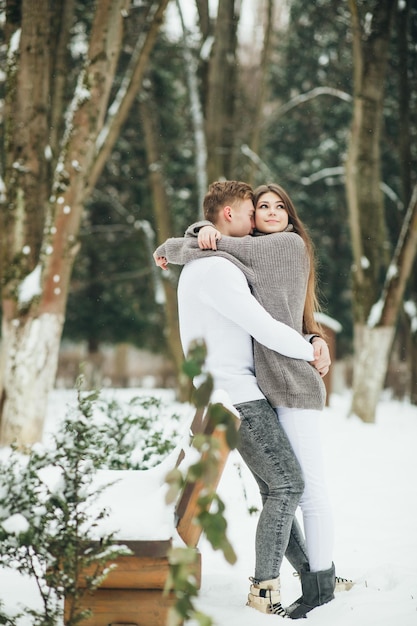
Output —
<point x="163" y="223"/>
<point x="62" y="21"/>
<point x="197" y="115"/>
<point x="363" y="166"/>
<point x="40" y="216"/>
<point x="375" y="339"/>
<point x="364" y="197"/>
<point x="125" y="97"/>
<point x="221" y="94"/>
<point x="30" y="365"/>
<point x="261" y="89"/>
<point x="372" y="353"/>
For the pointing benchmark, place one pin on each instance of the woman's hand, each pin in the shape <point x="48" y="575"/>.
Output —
<point x="322" y="359"/>
<point x="160" y="261"/>
<point x="208" y="237"/>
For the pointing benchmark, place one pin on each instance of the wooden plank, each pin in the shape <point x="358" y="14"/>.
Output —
<point x="187" y="507"/>
<point x="138" y="572"/>
<point x="154" y="549"/>
<point x="132" y="593"/>
<point x="140" y="607"/>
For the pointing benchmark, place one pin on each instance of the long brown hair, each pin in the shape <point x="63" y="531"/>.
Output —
<point x="311" y="303"/>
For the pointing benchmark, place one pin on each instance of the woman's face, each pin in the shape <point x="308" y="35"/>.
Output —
<point x="270" y="214"/>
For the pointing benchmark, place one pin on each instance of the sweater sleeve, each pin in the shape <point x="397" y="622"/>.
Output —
<point x="181" y="250"/>
<point x="194" y="229"/>
<point x="225" y="289"/>
<point x="238" y="247"/>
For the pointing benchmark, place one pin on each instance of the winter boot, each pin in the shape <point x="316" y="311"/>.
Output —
<point x="265" y="596"/>
<point x="318" y="588"/>
<point x="342" y="584"/>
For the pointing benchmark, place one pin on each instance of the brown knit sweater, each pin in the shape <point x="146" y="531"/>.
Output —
<point x="276" y="267"/>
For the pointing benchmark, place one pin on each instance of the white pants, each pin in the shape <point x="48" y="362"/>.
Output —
<point x="302" y="427"/>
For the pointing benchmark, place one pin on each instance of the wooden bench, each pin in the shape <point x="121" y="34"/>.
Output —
<point x="132" y="593"/>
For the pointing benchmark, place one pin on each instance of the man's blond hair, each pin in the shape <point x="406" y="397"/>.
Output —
<point x="222" y="193"/>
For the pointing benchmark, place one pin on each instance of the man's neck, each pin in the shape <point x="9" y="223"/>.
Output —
<point x="224" y="227"/>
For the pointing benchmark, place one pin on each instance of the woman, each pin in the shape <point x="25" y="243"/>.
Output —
<point x="284" y="283"/>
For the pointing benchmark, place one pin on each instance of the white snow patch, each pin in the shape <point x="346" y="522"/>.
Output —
<point x="368" y="23"/>
<point x="328" y="321"/>
<point x="411" y="309"/>
<point x="2" y="190"/>
<point x="14" y="43"/>
<point x="375" y="314"/>
<point x="206" y="48"/>
<point x="15" y="524"/>
<point x="375" y="543"/>
<point x="82" y="94"/>
<point x="392" y="271"/>
<point x="30" y="286"/>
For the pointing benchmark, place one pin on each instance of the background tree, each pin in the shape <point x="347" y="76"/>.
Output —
<point x="47" y="184"/>
<point x="301" y="128"/>
<point x="221" y="93"/>
<point x="304" y="136"/>
<point x="371" y="35"/>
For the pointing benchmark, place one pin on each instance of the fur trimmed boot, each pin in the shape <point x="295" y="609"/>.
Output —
<point x="318" y="589"/>
<point x="265" y="596"/>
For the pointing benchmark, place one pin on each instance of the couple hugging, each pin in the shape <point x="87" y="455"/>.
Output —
<point x="248" y="289"/>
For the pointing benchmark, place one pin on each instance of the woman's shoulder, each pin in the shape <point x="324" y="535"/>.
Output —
<point x="284" y="239"/>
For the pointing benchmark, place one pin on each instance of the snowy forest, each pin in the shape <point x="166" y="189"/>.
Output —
<point x="115" y="117"/>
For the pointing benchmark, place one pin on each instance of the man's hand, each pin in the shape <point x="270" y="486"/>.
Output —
<point x="322" y="359"/>
<point x="208" y="237"/>
<point x="160" y="261"/>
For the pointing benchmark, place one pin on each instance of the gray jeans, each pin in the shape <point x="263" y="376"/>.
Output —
<point x="265" y="448"/>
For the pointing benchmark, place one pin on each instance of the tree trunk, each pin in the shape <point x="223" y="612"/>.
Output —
<point x="162" y="219"/>
<point x="374" y="340"/>
<point x="372" y="350"/>
<point x="221" y="95"/>
<point x="406" y="76"/>
<point x="197" y="116"/>
<point x="62" y="21"/>
<point x="261" y="89"/>
<point x="41" y="213"/>
<point x="365" y="202"/>
<point x="126" y="95"/>
<point x="413" y="359"/>
<point x="29" y="370"/>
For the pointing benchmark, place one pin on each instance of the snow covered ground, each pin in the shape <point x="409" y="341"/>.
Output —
<point x="372" y="471"/>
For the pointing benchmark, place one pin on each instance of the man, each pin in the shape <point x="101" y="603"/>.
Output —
<point x="215" y="303"/>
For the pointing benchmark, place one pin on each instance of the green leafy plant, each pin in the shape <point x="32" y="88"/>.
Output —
<point x="47" y="517"/>
<point x="211" y="508"/>
<point x="131" y="434"/>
